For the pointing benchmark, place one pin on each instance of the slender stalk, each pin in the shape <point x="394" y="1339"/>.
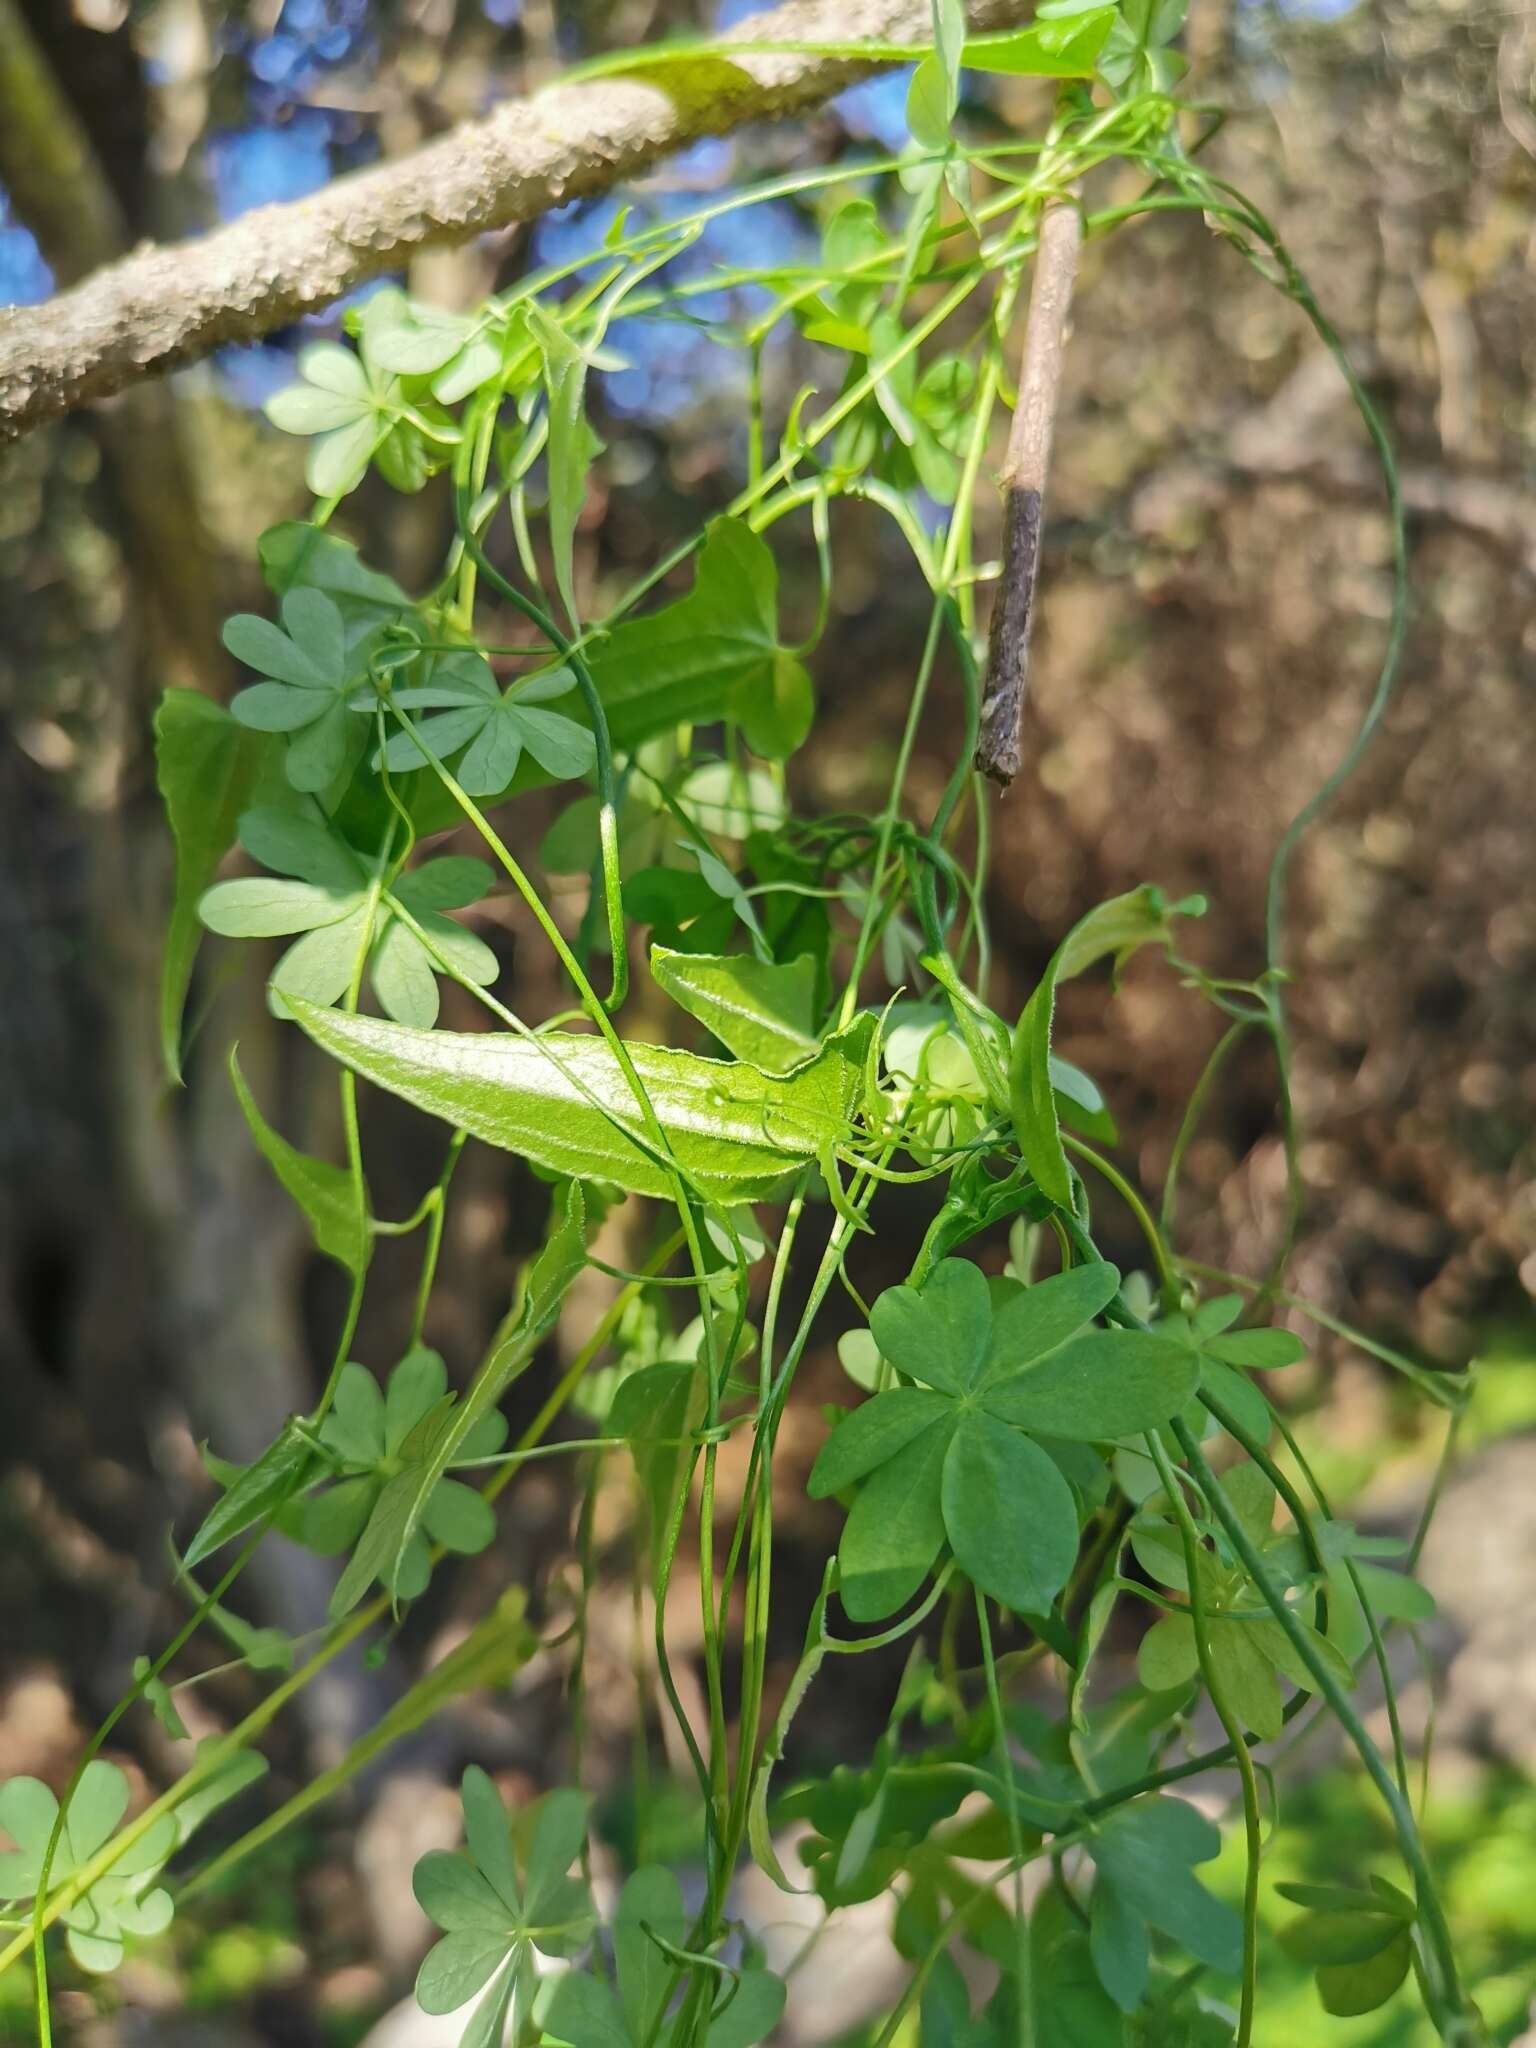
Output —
<point x="1450" y="2008"/>
<point x="1190" y="1542"/>
<point x="1021" y="1955"/>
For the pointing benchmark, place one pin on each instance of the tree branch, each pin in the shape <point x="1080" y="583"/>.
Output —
<point x="167" y="305"/>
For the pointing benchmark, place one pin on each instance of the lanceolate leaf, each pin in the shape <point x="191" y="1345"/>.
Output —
<point x="656" y="1409"/>
<point x="324" y="1192"/>
<point x="564" y="1102"/>
<point x="259" y="1491"/>
<point x="206" y="764"/>
<point x="1118" y="927"/>
<point x="1047" y="49"/>
<point x="759" y="1010"/>
<point x="381" y="1547"/>
<point x="571" y="442"/>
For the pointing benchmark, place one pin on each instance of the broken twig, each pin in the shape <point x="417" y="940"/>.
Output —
<point x="999" y="748"/>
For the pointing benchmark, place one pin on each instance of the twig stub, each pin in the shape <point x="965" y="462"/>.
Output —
<point x="999" y="746"/>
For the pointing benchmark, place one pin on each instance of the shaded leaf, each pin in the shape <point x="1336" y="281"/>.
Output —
<point x="940" y="1333"/>
<point x="259" y="1492"/>
<point x="324" y="1192"/>
<point x="1009" y="1514"/>
<point x="1348" y="1989"/>
<point x="206" y="764"/>
<point x="896" y="1529"/>
<point x="1352" y="1936"/>
<point x="1147" y="1850"/>
<point x="707" y="655"/>
<point x="1105" y="1383"/>
<point x="1117" y="1939"/>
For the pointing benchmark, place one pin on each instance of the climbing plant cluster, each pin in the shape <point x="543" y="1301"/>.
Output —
<point x="1034" y="1447"/>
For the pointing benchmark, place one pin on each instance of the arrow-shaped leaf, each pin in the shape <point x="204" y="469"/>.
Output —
<point x="563" y="1100"/>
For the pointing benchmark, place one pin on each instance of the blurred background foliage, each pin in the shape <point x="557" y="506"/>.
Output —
<point x="1216" y="586"/>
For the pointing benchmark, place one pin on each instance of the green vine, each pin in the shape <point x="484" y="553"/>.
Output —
<point x="1047" y="1453"/>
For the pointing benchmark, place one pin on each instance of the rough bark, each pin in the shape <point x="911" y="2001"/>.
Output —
<point x="166" y="305"/>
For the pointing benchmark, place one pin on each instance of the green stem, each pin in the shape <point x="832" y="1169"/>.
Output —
<point x="608" y="829"/>
<point x="1021" y="1955"/>
<point x="1190" y="1541"/>
<point x="437" y="1214"/>
<point x="1194" y="1112"/>
<point x="1168" y="1279"/>
<point x="870" y="923"/>
<point x="1450" y="2008"/>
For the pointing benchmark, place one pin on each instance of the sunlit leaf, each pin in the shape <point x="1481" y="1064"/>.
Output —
<point x="759" y="1010"/>
<point x="563" y="1101"/>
